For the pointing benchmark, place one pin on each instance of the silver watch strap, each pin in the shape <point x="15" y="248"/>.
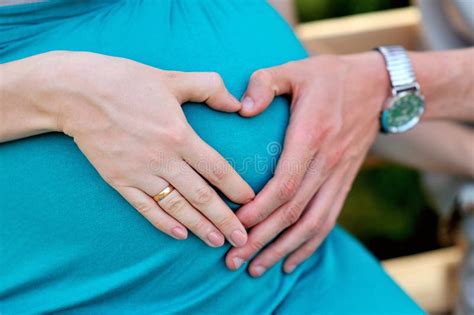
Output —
<point x="402" y="76"/>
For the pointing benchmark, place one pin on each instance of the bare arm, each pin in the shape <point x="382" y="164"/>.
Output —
<point x="447" y="81"/>
<point x="23" y="113"/>
<point x="439" y="146"/>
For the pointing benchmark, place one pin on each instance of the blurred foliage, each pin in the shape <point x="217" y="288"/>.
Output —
<point x="388" y="211"/>
<point x="309" y="10"/>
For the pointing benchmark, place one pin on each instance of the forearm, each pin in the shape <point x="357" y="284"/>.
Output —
<point x="438" y="146"/>
<point x="447" y="82"/>
<point x="24" y="106"/>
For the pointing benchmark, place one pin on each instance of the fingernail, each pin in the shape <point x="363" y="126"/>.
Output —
<point x="238" y="238"/>
<point x="290" y="268"/>
<point x="258" y="270"/>
<point x="179" y="233"/>
<point x="247" y="103"/>
<point x="237" y="262"/>
<point x="215" y="239"/>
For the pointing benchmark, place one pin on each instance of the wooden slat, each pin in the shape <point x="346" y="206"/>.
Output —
<point x="429" y="278"/>
<point x="362" y="32"/>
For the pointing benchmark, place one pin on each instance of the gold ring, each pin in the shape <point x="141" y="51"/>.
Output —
<point x="162" y="194"/>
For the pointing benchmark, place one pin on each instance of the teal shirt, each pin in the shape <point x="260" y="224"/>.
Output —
<point x="70" y="243"/>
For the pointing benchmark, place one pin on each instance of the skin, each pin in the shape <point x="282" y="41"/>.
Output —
<point x="134" y="133"/>
<point x="336" y="102"/>
<point x="304" y="198"/>
<point x="434" y="146"/>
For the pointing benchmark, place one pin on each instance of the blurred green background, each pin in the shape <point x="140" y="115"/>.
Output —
<point x="390" y="213"/>
<point x="387" y="208"/>
<point x="309" y="10"/>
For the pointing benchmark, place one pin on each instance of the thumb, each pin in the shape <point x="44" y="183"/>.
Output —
<point x="264" y="85"/>
<point x="204" y="87"/>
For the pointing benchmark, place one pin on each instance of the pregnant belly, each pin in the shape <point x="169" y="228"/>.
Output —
<point x="69" y="236"/>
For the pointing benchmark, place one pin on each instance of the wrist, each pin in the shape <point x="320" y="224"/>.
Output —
<point x="30" y="84"/>
<point x="57" y="87"/>
<point x="57" y="93"/>
<point x="372" y="73"/>
<point x="25" y="109"/>
<point x="379" y="78"/>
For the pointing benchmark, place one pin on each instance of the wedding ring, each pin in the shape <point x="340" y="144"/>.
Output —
<point x="162" y="194"/>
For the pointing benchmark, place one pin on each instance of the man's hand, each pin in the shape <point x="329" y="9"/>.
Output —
<point x="336" y="102"/>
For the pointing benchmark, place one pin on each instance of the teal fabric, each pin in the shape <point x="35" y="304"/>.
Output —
<point x="70" y="243"/>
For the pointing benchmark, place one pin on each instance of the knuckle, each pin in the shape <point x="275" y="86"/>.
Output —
<point x="199" y="225"/>
<point x="203" y="195"/>
<point x="257" y="216"/>
<point x="309" y="233"/>
<point x="226" y="222"/>
<point x="144" y="208"/>
<point x="287" y="188"/>
<point x="291" y="213"/>
<point x="215" y="80"/>
<point x="319" y="134"/>
<point x="256" y="245"/>
<point x="315" y="138"/>
<point x="171" y="169"/>
<point x="315" y="166"/>
<point x="176" y="134"/>
<point x="261" y="76"/>
<point x="174" y="205"/>
<point x="114" y="178"/>
<point x="315" y="228"/>
<point x="335" y="157"/>
<point x="275" y="253"/>
<point x="218" y="172"/>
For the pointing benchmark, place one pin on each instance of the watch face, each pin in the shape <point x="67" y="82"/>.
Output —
<point x="403" y="113"/>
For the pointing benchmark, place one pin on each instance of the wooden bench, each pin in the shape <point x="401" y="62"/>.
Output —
<point x="430" y="278"/>
<point x="363" y="32"/>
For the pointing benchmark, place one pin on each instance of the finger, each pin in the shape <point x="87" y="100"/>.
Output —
<point x="198" y="192"/>
<point x="291" y="169"/>
<point x="302" y="253"/>
<point x="306" y="250"/>
<point x="213" y="167"/>
<point x="203" y="87"/>
<point x="264" y="85"/>
<point x="178" y="207"/>
<point x="314" y="222"/>
<point x="147" y="207"/>
<point x="260" y="235"/>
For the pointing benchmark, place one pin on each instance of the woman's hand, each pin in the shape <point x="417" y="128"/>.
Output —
<point x="127" y="119"/>
<point x="336" y="102"/>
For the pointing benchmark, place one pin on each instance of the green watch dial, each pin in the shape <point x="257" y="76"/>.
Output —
<point x="404" y="112"/>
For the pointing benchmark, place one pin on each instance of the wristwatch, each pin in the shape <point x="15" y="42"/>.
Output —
<point x="403" y="110"/>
